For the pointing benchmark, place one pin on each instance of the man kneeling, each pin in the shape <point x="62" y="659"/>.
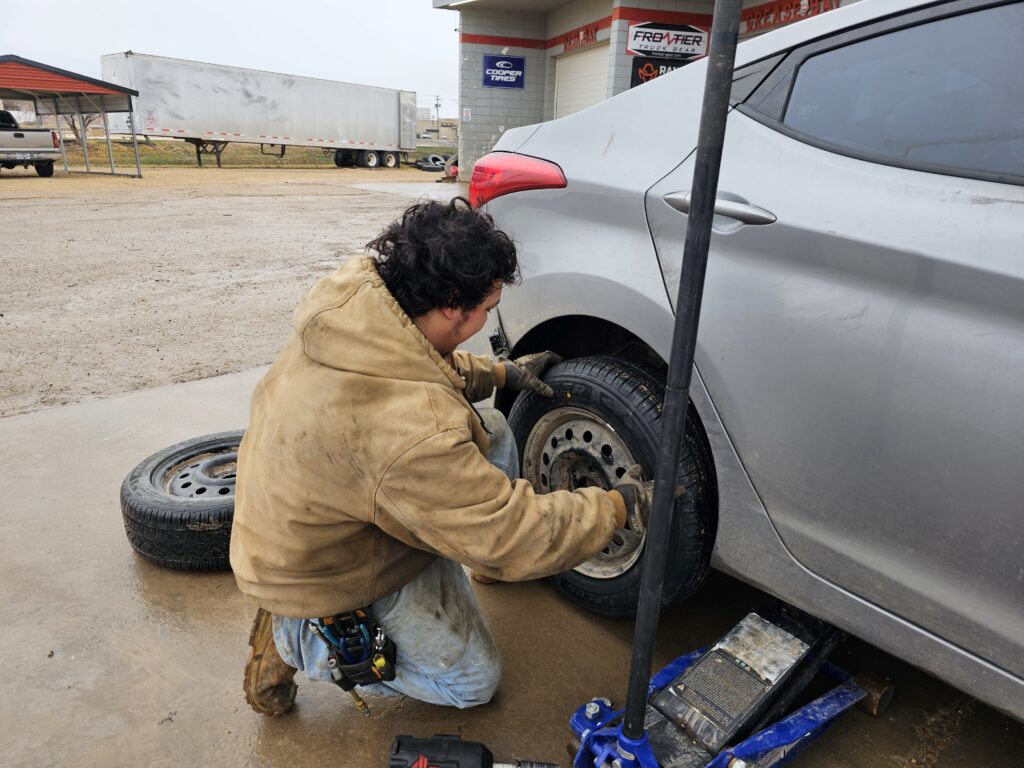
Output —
<point x="366" y="476"/>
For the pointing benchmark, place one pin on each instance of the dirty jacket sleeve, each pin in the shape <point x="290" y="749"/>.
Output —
<point x="443" y="496"/>
<point x="478" y="371"/>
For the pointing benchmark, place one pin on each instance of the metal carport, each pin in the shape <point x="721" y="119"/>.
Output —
<point x="59" y="92"/>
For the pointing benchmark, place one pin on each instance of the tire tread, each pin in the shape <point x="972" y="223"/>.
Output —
<point x="696" y="517"/>
<point x="185" y="534"/>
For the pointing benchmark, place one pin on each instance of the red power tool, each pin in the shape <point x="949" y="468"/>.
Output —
<point x="441" y="751"/>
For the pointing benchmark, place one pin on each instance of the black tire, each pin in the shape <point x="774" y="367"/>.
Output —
<point x="178" y="504"/>
<point x="434" y="159"/>
<point x="369" y="159"/>
<point x="623" y="404"/>
<point x="390" y="160"/>
<point x="45" y="168"/>
<point x="343" y="158"/>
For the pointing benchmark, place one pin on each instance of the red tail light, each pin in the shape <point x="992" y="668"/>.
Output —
<point x="56" y="141"/>
<point x="500" y="173"/>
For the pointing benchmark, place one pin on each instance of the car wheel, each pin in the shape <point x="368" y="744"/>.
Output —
<point x="606" y="415"/>
<point x="391" y="160"/>
<point x="178" y="504"/>
<point x="369" y="159"/>
<point x="45" y="169"/>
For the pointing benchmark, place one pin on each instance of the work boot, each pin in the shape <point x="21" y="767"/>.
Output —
<point x="269" y="687"/>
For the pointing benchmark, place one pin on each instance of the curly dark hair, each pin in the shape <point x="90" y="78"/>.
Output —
<point x="443" y="255"/>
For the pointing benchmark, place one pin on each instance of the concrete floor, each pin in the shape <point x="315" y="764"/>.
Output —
<point x="109" y="661"/>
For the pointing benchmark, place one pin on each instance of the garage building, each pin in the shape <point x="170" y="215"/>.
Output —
<point x="527" y="61"/>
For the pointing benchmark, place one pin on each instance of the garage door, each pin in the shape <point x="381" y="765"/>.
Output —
<point x="581" y="80"/>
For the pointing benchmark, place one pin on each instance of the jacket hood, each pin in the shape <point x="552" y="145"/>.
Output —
<point x="350" y="321"/>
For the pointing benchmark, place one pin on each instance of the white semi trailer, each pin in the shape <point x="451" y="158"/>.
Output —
<point x="211" y="105"/>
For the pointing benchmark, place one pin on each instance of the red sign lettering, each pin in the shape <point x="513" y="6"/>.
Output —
<point x="582" y="37"/>
<point x="762" y="17"/>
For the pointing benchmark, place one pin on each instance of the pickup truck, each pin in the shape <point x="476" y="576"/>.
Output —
<point x="27" y="146"/>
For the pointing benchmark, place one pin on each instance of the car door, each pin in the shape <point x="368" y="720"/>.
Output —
<point x="862" y="330"/>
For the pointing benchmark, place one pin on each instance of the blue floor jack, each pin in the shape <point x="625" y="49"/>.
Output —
<point x="731" y="705"/>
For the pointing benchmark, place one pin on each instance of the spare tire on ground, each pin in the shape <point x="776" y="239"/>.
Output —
<point x="178" y="504"/>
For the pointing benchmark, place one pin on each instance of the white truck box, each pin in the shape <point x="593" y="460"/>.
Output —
<point x="208" y="103"/>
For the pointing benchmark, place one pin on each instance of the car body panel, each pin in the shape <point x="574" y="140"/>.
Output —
<point x="629" y="291"/>
<point x="916" y="321"/>
<point x="867" y="359"/>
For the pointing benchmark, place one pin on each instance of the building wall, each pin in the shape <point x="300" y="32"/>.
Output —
<point x="571" y="21"/>
<point x="486" y="113"/>
<point x="541" y="38"/>
<point x="628" y="12"/>
<point x="449" y="129"/>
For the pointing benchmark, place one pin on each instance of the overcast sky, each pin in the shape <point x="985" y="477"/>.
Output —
<point x="403" y="44"/>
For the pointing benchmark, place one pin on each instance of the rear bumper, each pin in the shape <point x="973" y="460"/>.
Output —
<point x="27" y="155"/>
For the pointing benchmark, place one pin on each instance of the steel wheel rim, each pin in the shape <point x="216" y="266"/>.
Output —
<point x="206" y="475"/>
<point x="570" y="448"/>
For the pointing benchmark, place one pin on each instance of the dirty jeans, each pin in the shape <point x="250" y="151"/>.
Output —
<point x="445" y="652"/>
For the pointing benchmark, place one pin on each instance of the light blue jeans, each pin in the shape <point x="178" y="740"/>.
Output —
<point x="445" y="652"/>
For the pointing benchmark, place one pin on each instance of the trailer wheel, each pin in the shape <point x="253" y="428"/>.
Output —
<point x="179" y="503"/>
<point x="604" y="416"/>
<point x="45" y="168"/>
<point x="343" y="158"/>
<point x="369" y="159"/>
<point x="391" y="160"/>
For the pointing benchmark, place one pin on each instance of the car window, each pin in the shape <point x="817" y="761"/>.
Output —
<point x="747" y="78"/>
<point x="943" y="95"/>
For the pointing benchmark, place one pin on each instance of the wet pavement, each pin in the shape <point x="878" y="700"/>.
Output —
<point x="110" y="661"/>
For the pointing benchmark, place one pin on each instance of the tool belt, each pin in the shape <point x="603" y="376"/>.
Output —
<point x="359" y="651"/>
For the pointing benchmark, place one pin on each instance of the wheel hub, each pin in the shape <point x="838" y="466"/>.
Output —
<point x="210" y="474"/>
<point x="570" y="448"/>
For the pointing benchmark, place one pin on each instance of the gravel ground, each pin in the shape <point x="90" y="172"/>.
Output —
<point x="116" y="284"/>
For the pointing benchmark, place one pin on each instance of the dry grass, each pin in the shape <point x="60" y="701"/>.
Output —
<point x="181" y="153"/>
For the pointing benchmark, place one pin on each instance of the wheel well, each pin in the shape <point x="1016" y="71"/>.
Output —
<point x="581" y="335"/>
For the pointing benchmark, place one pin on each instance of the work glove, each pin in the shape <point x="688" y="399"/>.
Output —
<point x="524" y="373"/>
<point x="637" y="494"/>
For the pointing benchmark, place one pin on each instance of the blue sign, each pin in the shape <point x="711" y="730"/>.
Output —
<point x="504" y="71"/>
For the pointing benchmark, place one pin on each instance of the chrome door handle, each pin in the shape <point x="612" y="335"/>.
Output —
<point x="744" y="212"/>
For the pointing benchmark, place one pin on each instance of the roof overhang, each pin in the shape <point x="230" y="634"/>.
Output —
<point x="522" y="6"/>
<point x="57" y="91"/>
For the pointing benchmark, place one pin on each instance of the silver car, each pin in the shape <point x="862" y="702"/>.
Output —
<point x="857" y="439"/>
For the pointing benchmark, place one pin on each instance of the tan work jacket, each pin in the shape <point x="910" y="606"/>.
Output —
<point x="363" y="462"/>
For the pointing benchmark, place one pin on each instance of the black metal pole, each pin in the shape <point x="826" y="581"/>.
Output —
<point x="717" y="87"/>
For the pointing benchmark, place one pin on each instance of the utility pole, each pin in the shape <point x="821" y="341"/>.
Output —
<point x="437" y="109"/>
